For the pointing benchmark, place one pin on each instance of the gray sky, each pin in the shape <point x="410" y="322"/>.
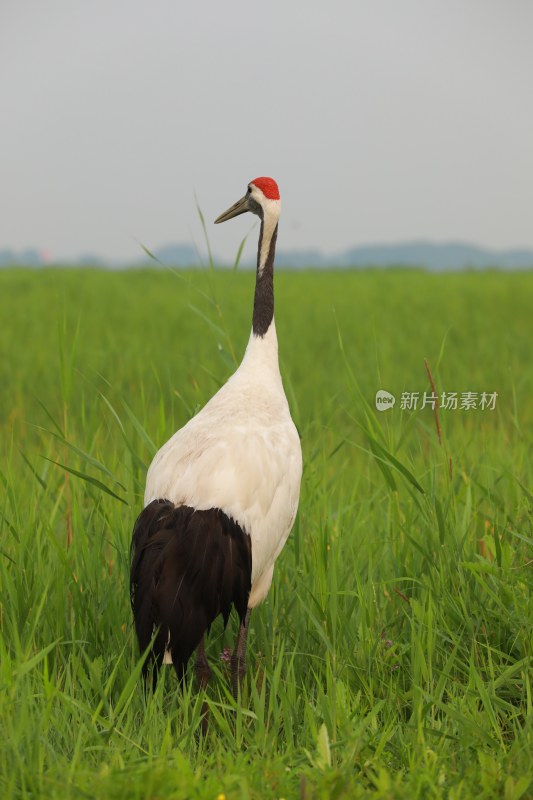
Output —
<point x="382" y="120"/>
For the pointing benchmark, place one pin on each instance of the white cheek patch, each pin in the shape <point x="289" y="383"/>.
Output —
<point x="271" y="212"/>
<point x="269" y="226"/>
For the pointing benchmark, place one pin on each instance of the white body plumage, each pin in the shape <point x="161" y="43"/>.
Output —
<point x="241" y="453"/>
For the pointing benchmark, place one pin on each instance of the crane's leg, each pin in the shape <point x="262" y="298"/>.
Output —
<point x="203" y="673"/>
<point x="203" y="670"/>
<point x="238" y="658"/>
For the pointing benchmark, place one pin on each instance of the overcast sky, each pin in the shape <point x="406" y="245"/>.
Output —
<point x="382" y="120"/>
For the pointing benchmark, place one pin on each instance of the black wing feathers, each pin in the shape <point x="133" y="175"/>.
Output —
<point x="187" y="567"/>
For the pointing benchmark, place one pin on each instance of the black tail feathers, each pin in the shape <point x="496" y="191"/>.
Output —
<point x="187" y="567"/>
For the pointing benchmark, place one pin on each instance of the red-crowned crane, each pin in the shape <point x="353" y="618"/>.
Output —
<point x="221" y="495"/>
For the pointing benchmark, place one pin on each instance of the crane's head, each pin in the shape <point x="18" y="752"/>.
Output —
<point x="262" y="198"/>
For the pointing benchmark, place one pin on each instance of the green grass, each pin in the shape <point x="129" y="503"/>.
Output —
<point x="393" y="656"/>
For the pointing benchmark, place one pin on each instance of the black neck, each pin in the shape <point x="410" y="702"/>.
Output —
<point x="264" y="286"/>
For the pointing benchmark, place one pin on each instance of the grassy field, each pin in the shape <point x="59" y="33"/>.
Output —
<point x="393" y="656"/>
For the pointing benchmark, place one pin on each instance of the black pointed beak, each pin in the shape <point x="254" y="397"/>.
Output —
<point x="240" y="207"/>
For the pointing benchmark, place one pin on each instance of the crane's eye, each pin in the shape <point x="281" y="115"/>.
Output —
<point x="249" y="190"/>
